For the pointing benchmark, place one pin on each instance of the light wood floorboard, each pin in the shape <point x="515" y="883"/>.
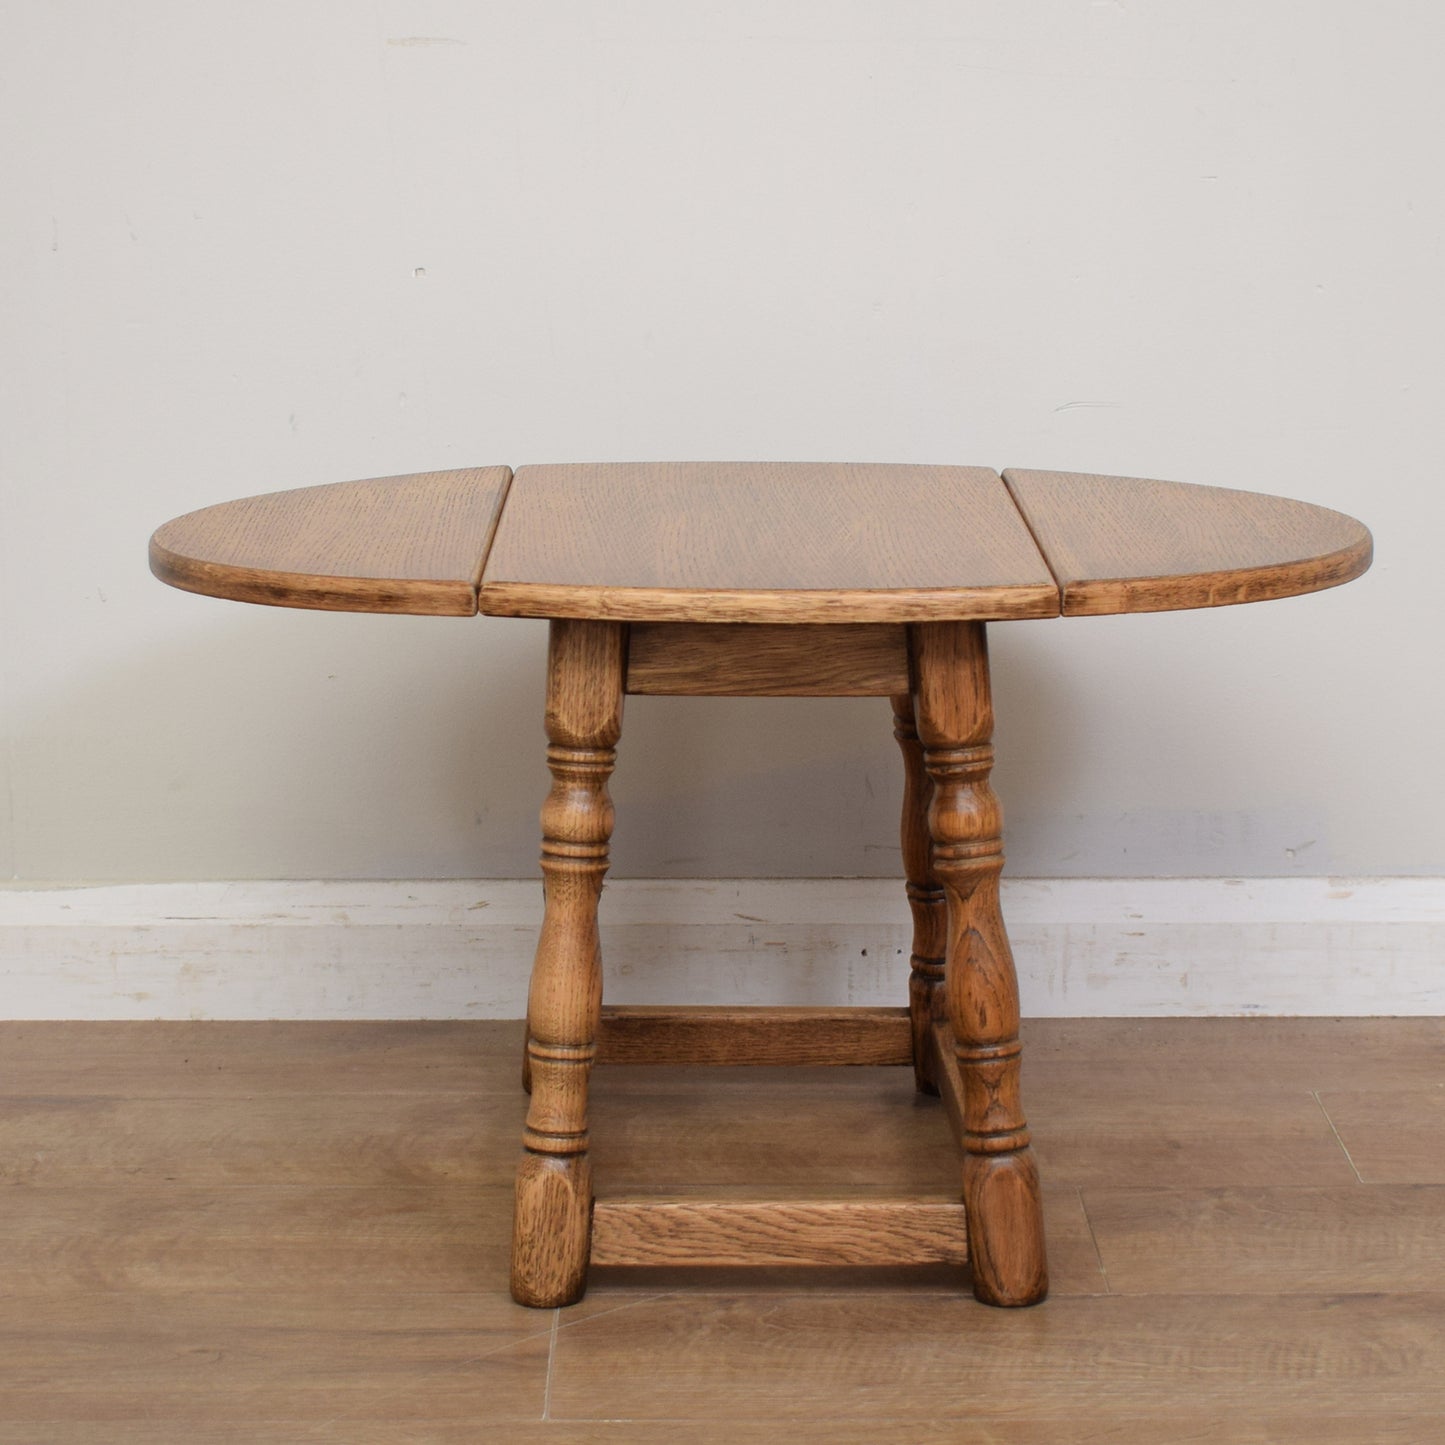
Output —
<point x="1389" y="1238"/>
<point x="182" y="1059"/>
<point x="226" y="1233"/>
<point x="794" y="1356"/>
<point x="1177" y="1055"/>
<point x="1163" y="1429"/>
<point x="1394" y="1136"/>
<point x="145" y="1237"/>
<point x="311" y="1138"/>
<point x="336" y="1353"/>
<point x="1100" y="1130"/>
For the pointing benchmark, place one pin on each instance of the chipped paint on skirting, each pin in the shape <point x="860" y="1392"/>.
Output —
<point x="461" y="949"/>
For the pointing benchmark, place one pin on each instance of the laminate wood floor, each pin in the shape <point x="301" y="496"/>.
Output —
<point x="248" y="1234"/>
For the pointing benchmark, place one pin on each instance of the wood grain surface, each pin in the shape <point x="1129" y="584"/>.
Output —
<point x="1095" y="1427"/>
<point x="803" y="1355"/>
<point x="585" y="666"/>
<point x="740" y="659"/>
<point x="263" y="1233"/>
<point x="1272" y="1241"/>
<point x="947" y="1077"/>
<point x="717" y="1232"/>
<point x="1173" y="1060"/>
<point x="1128" y="544"/>
<point x="759" y="542"/>
<point x="158" y="1234"/>
<point x="234" y="1141"/>
<point x="763" y="542"/>
<point x="192" y="1059"/>
<point x="395" y="544"/>
<point x="803" y="1131"/>
<point x="205" y="1355"/>
<point x="926" y="900"/>
<point x="1388" y="1134"/>
<point x="953" y="710"/>
<point x="726" y="1035"/>
<point x="1093" y="1134"/>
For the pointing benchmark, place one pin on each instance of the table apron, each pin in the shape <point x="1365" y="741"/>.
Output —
<point x="750" y="659"/>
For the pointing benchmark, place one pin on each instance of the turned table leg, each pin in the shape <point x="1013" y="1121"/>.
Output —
<point x="925" y="898"/>
<point x="552" y="1228"/>
<point x="954" y="712"/>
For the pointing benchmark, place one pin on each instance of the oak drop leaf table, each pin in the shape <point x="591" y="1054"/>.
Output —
<point x="773" y="580"/>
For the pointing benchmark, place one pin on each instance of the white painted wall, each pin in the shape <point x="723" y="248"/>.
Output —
<point x="253" y="246"/>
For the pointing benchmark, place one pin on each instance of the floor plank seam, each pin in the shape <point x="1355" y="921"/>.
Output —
<point x="586" y="1319"/>
<point x="1315" y="1095"/>
<point x="551" y="1365"/>
<point x="347" y="1301"/>
<point x="1094" y="1240"/>
<point x="375" y="1408"/>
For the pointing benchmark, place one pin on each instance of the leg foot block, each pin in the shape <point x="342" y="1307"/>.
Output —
<point x="1005" y="1228"/>
<point x="551" y="1231"/>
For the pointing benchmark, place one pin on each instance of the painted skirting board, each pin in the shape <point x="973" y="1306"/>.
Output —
<point x="1085" y="947"/>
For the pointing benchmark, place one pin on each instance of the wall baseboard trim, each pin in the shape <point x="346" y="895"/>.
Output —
<point x="1153" y="947"/>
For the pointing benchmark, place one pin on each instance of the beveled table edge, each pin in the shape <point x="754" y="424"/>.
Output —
<point x="1191" y="592"/>
<point x="767" y="605"/>
<point x="312" y="591"/>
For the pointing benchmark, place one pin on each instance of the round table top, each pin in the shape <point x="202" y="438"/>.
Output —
<point x="759" y="542"/>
